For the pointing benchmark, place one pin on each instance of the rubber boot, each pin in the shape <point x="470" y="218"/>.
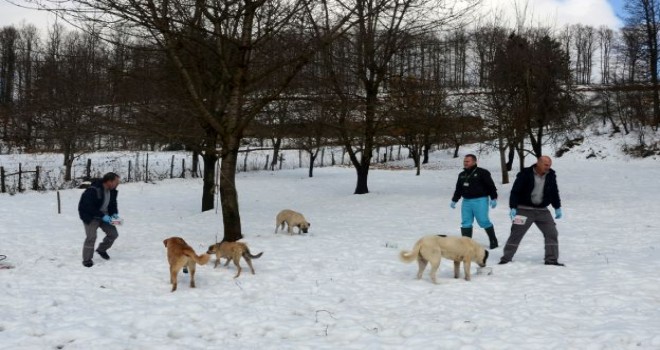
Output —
<point x="466" y="231"/>
<point x="491" y="236"/>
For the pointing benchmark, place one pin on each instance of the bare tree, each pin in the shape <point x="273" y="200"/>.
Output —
<point x="646" y="14"/>
<point x="382" y="31"/>
<point x="224" y="54"/>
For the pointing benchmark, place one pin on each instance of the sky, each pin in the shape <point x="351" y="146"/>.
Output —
<point x="556" y="12"/>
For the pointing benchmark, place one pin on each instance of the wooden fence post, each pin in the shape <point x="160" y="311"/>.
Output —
<point x="59" y="204"/>
<point x="35" y="183"/>
<point x="20" y="177"/>
<point x="183" y="168"/>
<point x="267" y="159"/>
<point x="129" y="171"/>
<point x="146" y="169"/>
<point x="3" y="189"/>
<point x="245" y="159"/>
<point x="172" y="168"/>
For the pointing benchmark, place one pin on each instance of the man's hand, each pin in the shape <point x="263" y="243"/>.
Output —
<point x="558" y="213"/>
<point x="513" y="213"/>
<point x="106" y="219"/>
<point x="493" y="203"/>
<point x="453" y="205"/>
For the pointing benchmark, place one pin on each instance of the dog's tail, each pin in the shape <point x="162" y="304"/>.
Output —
<point x="408" y="257"/>
<point x="199" y="259"/>
<point x="248" y="254"/>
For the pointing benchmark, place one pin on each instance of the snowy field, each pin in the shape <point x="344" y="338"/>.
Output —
<point x="341" y="286"/>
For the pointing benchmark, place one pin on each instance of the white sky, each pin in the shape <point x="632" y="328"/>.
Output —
<point x="555" y="12"/>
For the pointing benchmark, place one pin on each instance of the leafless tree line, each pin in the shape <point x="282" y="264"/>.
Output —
<point x="363" y="75"/>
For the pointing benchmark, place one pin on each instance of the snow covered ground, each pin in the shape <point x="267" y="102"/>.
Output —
<point x="341" y="286"/>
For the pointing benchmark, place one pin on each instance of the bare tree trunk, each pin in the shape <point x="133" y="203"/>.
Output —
<point x="231" y="217"/>
<point x="312" y="158"/>
<point x="209" y="158"/>
<point x="195" y="164"/>
<point x="503" y="166"/>
<point x="276" y="150"/>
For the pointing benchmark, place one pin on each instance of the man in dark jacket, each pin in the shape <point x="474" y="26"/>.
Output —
<point x="97" y="208"/>
<point x="534" y="189"/>
<point x="475" y="185"/>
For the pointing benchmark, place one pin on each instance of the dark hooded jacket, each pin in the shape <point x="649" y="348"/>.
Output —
<point x="481" y="185"/>
<point x="89" y="207"/>
<point x="521" y="192"/>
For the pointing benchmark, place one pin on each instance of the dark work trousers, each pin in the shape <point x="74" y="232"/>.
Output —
<point x="90" y="231"/>
<point x="544" y="221"/>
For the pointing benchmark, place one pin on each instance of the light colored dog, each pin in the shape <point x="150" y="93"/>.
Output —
<point x="292" y="219"/>
<point x="431" y="249"/>
<point x="233" y="251"/>
<point x="180" y="254"/>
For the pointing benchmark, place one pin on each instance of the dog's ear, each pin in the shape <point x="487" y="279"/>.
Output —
<point x="309" y="224"/>
<point x="165" y="242"/>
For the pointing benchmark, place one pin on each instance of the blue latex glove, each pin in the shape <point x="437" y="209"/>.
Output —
<point x="115" y="216"/>
<point x="106" y="219"/>
<point x="513" y="213"/>
<point x="558" y="213"/>
<point x="493" y="203"/>
<point x="453" y="205"/>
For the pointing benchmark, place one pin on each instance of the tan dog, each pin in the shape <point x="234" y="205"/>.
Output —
<point x="180" y="254"/>
<point x="233" y="251"/>
<point x="292" y="219"/>
<point x="431" y="249"/>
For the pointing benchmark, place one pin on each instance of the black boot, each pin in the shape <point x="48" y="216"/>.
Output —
<point x="466" y="231"/>
<point x="491" y="236"/>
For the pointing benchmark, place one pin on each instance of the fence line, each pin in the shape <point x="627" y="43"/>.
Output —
<point x="132" y="169"/>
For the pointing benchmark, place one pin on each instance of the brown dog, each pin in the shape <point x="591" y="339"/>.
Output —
<point x="292" y="219"/>
<point x="180" y="254"/>
<point x="233" y="251"/>
<point x="431" y="249"/>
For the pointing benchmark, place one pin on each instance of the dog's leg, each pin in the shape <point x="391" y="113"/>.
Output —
<point x="191" y="268"/>
<point x="228" y="261"/>
<point x="237" y="259"/>
<point x="249" y="262"/>
<point x="217" y="261"/>
<point x="435" y="265"/>
<point x="457" y="268"/>
<point x="422" y="266"/>
<point x="173" y="272"/>
<point x="289" y="228"/>
<point x="466" y="267"/>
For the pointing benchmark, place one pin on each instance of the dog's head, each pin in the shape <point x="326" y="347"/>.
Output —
<point x="482" y="262"/>
<point x="304" y="226"/>
<point x="212" y="248"/>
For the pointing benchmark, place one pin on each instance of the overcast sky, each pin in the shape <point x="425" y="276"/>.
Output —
<point x="555" y="12"/>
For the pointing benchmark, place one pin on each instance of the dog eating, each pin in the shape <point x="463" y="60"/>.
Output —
<point x="431" y="249"/>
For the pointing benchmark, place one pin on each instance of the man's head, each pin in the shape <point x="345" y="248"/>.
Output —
<point x="543" y="165"/>
<point x="469" y="161"/>
<point x="110" y="181"/>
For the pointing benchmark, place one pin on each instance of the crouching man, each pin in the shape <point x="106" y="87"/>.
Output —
<point x="97" y="208"/>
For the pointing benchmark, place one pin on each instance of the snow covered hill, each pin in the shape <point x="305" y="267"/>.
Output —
<point x="341" y="286"/>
